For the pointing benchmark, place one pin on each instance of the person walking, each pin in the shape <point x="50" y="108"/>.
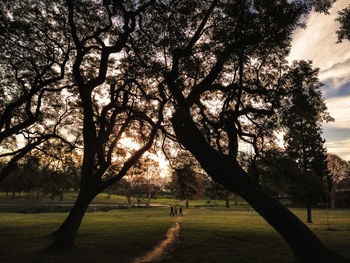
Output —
<point x="171" y="211"/>
<point x="180" y="212"/>
<point x="175" y="210"/>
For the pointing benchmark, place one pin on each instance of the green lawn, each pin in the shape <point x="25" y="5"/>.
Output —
<point x="207" y="235"/>
<point x="114" y="236"/>
<point x="233" y="235"/>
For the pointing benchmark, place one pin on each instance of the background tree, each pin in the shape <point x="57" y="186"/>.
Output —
<point x="123" y="187"/>
<point x="60" y="168"/>
<point x="143" y="182"/>
<point x="185" y="184"/>
<point x="339" y="169"/>
<point x="303" y="114"/>
<point x="216" y="191"/>
<point x="152" y="179"/>
<point x="13" y="183"/>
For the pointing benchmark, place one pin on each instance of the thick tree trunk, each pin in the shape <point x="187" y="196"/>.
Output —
<point x="227" y="204"/>
<point x="186" y="203"/>
<point x="13" y="195"/>
<point x="305" y="245"/>
<point x="65" y="235"/>
<point x="61" y="196"/>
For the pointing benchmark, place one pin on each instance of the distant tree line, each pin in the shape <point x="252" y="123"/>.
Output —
<point x="39" y="177"/>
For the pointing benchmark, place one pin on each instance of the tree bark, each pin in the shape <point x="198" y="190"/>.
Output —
<point x="227" y="204"/>
<point x="305" y="245"/>
<point x="65" y="235"/>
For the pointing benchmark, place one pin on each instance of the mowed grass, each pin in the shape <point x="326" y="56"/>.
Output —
<point x="114" y="236"/>
<point x="104" y="198"/>
<point x="242" y="236"/>
<point x="206" y="235"/>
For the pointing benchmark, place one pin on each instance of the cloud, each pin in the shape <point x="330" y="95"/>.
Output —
<point x="341" y="148"/>
<point x="328" y="92"/>
<point x="318" y="41"/>
<point x="336" y="134"/>
<point x="339" y="107"/>
<point x="338" y="75"/>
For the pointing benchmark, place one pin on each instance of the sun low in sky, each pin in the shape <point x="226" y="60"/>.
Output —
<point x="318" y="42"/>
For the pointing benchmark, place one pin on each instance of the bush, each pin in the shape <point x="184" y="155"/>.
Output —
<point x="342" y="199"/>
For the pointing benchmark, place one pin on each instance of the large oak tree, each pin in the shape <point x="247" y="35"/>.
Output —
<point x="224" y="69"/>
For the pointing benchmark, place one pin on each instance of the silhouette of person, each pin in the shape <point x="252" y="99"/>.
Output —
<point x="180" y="212"/>
<point x="171" y="211"/>
<point x="175" y="210"/>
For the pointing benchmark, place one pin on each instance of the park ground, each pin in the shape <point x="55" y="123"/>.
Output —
<point x="207" y="234"/>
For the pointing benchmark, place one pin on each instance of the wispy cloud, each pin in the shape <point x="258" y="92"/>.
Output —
<point x="340" y="110"/>
<point x="337" y="134"/>
<point x="341" y="147"/>
<point x="318" y="41"/>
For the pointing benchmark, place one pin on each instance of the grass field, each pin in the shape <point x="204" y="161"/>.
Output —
<point x="219" y="235"/>
<point x="26" y="204"/>
<point x="206" y="235"/>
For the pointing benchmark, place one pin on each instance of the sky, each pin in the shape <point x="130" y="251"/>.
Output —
<point x="318" y="42"/>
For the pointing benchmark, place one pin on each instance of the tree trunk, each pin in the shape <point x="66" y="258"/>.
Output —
<point x="305" y="245"/>
<point x="308" y="211"/>
<point x="235" y="199"/>
<point x="65" y="235"/>
<point x="148" y="202"/>
<point x="128" y="199"/>
<point x="37" y="196"/>
<point x="13" y="195"/>
<point x="332" y="194"/>
<point x="227" y="204"/>
<point x="186" y="203"/>
<point x="61" y="196"/>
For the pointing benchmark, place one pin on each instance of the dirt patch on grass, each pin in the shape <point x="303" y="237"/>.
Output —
<point x="161" y="250"/>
